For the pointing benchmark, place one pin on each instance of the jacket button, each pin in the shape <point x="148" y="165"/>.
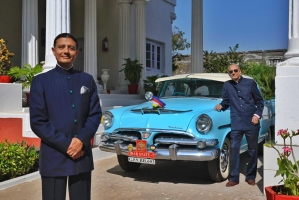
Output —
<point x="73" y="106"/>
<point x="71" y="91"/>
<point x="68" y="77"/>
<point x="75" y="120"/>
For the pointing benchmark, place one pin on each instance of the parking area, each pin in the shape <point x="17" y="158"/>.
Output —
<point x="165" y="180"/>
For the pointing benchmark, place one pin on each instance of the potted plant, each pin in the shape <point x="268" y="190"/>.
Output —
<point x="132" y="70"/>
<point x="25" y="75"/>
<point x="5" y="62"/>
<point x="288" y="169"/>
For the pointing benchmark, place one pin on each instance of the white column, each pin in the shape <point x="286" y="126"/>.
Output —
<point x="90" y="38"/>
<point x="29" y="32"/>
<point x="124" y="40"/>
<point x="141" y="39"/>
<point x="57" y="21"/>
<point x="287" y="95"/>
<point x="197" y="37"/>
<point x="293" y="48"/>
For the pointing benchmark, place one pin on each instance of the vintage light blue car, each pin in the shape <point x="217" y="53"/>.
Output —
<point x="186" y="128"/>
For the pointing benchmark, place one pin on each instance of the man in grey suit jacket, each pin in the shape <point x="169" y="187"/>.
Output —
<point x="246" y="106"/>
<point x="65" y="113"/>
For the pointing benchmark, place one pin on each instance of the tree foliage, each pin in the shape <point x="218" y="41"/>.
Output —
<point x="264" y="75"/>
<point x="214" y="62"/>
<point x="179" y="43"/>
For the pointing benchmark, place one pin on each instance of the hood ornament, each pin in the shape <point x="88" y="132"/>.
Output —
<point x="157" y="103"/>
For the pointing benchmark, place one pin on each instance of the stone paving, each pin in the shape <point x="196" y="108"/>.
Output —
<point x="165" y="180"/>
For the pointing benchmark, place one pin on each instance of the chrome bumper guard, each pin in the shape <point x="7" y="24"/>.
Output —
<point x="173" y="152"/>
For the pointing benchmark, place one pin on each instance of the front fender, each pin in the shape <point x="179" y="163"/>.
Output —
<point x="220" y="129"/>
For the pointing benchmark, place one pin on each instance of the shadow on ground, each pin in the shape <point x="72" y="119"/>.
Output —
<point x="260" y="170"/>
<point x="181" y="172"/>
<point x="165" y="171"/>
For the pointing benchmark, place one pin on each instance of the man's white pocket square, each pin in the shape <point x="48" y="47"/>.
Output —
<point x="84" y="90"/>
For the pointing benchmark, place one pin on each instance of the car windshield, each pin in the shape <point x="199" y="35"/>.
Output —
<point x="190" y="88"/>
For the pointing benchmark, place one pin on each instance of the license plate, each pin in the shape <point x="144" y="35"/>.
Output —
<point x="141" y="160"/>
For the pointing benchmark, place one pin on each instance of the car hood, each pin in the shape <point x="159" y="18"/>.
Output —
<point x="176" y="115"/>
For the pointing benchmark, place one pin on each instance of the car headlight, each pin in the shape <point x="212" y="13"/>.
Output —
<point x="107" y="119"/>
<point x="204" y="123"/>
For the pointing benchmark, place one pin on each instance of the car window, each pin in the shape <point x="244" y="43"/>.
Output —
<point x="190" y="88"/>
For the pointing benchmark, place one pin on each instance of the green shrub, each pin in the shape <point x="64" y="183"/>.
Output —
<point x="17" y="159"/>
<point x="264" y="75"/>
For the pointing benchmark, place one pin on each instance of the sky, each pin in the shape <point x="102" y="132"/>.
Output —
<point x="253" y="24"/>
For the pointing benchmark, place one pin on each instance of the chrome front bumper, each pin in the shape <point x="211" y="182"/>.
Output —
<point x="173" y="152"/>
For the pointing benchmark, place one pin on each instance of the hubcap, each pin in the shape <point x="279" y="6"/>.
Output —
<point x="224" y="158"/>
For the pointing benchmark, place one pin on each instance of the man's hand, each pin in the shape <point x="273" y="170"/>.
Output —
<point x="78" y="155"/>
<point x="74" y="148"/>
<point x="218" y="107"/>
<point x="255" y="120"/>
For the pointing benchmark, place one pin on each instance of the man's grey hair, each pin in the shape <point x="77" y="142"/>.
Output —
<point x="237" y="64"/>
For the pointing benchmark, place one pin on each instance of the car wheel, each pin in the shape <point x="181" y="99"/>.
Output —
<point x="126" y="165"/>
<point x="219" y="167"/>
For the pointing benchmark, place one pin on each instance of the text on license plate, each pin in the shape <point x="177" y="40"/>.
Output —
<point x="141" y="160"/>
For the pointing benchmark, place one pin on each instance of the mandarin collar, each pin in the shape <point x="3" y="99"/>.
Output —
<point x="240" y="80"/>
<point x="64" y="71"/>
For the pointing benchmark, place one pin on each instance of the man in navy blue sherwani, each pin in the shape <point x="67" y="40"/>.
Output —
<point x="246" y="106"/>
<point x="65" y="113"/>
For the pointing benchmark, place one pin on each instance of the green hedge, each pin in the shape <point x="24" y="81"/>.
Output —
<point x="264" y="75"/>
<point x="17" y="159"/>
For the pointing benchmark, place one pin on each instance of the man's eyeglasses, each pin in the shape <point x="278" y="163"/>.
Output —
<point x="231" y="71"/>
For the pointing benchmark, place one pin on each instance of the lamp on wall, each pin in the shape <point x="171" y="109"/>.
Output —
<point x="105" y="44"/>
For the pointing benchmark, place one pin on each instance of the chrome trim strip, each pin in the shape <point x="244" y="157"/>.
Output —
<point x="182" y="141"/>
<point x="212" y="142"/>
<point x="140" y="130"/>
<point x="124" y="137"/>
<point x="158" y="111"/>
<point x="174" y="152"/>
<point x="224" y="126"/>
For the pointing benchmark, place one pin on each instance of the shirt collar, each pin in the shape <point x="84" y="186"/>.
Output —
<point x="62" y="70"/>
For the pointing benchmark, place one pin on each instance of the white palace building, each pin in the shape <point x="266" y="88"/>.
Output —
<point x="137" y="29"/>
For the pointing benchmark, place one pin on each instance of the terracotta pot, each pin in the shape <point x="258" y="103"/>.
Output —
<point x="272" y="195"/>
<point x="132" y="88"/>
<point x="5" y="79"/>
<point x="27" y="96"/>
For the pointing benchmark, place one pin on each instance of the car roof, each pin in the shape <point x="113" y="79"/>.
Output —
<point x="222" y="77"/>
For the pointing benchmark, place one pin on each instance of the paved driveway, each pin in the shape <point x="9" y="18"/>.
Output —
<point x="165" y="180"/>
